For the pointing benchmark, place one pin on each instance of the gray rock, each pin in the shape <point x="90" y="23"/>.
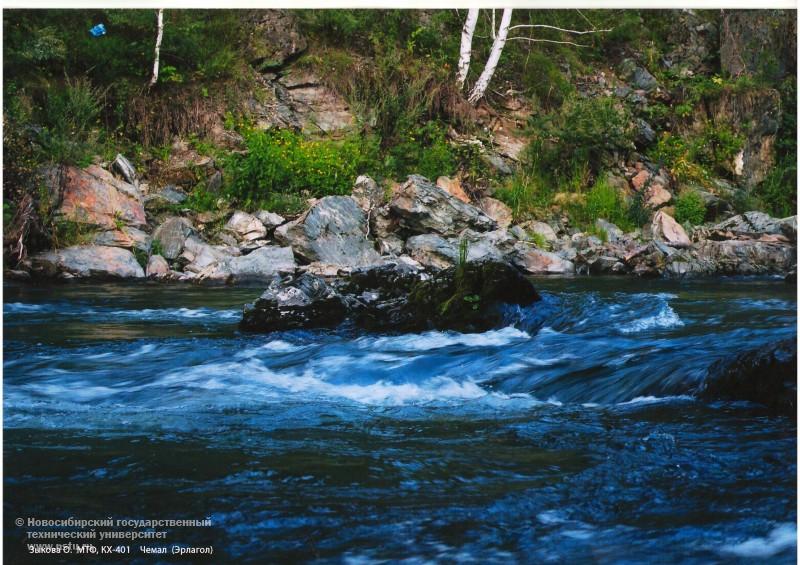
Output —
<point x="367" y="194"/>
<point x="394" y="297"/>
<point x="535" y="261"/>
<point x="262" y="264"/>
<point x="172" y="194"/>
<point x="745" y="257"/>
<point x="88" y="261"/>
<point x="270" y="219"/>
<point x="519" y="232"/>
<point x="171" y="236"/>
<point x="157" y="266"/>
<point x="432" y="251"/>
<point x="332" y="231"/>
<point x="752" y="223"/>
<point x="789" y="227"/>
<point x="543" y="229"/>
<point x="275" y="38"/>
<point x="637" y="76"/>
<point x="613" y="232"/>
<point x="645" y="135"/>
<point x="126" y="237"/>
<point x="496" y="162"/>
<point x="392" y="244"/>
<point x="214" y="183"/>
<point x="125" y="169"/>
<point x="421" y="207"/>
<point x="498" y="211"/>
<point x="436" y="252"/>
<point x="199" y="256"/>
<point x="246" y="226"/>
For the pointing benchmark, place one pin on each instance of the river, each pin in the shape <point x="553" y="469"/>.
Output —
<point x="571" y="435"/>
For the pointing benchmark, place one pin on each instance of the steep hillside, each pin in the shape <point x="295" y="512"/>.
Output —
<point x="691" y="113"/>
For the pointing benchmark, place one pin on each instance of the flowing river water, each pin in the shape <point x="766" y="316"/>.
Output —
<point x="571" y="435"/>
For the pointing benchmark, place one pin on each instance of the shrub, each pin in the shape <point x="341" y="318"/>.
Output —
<point x="778" y="192"/>
<point x="678" y="155"/>
<point x="282" y="169"/>
<point x="525" y="192"/>
<point x="638" y="212"/>
<point x="585" y="131"/>
<point x="542" y="78"/>
<point x="689" y="207"/>
<point x="603" y="201"/>
<point x="70" y="116"/>
<point x="423" y="150"/>
<point x="540" y="241"/>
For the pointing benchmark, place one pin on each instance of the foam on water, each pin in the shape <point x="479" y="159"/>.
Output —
<point x="145" y="314"/>
<point x="436" y="340"/>
<point x="783" y="537"/>
<point x="19" y="308"/>
<point x="665" y="318"/>
<point x="656" y="399"/>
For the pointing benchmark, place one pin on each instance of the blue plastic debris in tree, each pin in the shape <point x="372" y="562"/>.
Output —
<point x="98" y="30"/>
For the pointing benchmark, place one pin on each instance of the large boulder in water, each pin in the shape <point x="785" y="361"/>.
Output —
<point x="393" y="297"/>
<point x="422" y="207"/>
<point x="88" y="261"/>
<point x="334" y="230"/>
<point x="767" y="375"/>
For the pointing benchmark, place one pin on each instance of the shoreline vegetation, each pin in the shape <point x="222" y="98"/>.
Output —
<point x="663" y="145"/>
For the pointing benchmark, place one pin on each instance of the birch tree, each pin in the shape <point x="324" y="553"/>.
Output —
<point x="501" y="36"/>
<point x="466" y="46"/>
<point x="159" y="36"/>
<point x="494" y="57"/>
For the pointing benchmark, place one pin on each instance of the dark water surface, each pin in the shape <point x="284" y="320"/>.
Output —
<point x="570" y="436"/>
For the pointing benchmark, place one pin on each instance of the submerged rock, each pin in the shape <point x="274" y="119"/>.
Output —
<point x="393" y="297"/>
<point x="767" y="375"/>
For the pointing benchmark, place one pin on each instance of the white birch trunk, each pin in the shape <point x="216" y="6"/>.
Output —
<point x="491" y="64"/>
<point x="158" y="46"/>
<point x="466" y="46"/>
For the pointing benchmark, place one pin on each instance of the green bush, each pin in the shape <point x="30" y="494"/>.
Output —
<point x="542" y="78"/>
<point x="70" y="118"/>
<point x="638" y="212"/>
<point x="690" y="208"/>
<point x="679" y="156"/>
<point x="282" y="169"/>
<point x="422" y="150"/>
<point x="586" y="130"/>
<point x="525" y="193"/>
<point x="602" y="201"/>
<point x="778" y="192"/>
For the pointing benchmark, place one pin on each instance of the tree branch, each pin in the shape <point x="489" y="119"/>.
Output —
<point x="534" y="40"/>
<point x="573" y="31"/>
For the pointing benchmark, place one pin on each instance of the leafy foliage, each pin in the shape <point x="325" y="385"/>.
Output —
<point x="689" y="207"/>
<point x="585" y="130"/>
<point x="282" y="169"/>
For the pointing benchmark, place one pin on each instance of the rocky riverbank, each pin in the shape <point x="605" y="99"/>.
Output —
<point x="129" y="231"/>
